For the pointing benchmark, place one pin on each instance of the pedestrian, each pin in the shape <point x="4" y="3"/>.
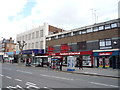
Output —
<point x="80" y="63"/>
<point x="48" y="65"/>
<point x="29" y="62"/>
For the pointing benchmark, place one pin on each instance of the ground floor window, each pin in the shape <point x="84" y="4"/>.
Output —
<point x="107" y="62"/>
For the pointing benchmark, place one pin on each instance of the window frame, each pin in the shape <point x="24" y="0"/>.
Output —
<point x="106" y="45"/>
<point x="113" y="24"/>
<point x="107" y="26"/>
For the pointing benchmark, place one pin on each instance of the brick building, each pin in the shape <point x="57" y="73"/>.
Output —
<point x="8" y="45"/>
<point x="98" y="44"/>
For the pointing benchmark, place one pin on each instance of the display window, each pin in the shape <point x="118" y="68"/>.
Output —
<point x="86" y="60"/>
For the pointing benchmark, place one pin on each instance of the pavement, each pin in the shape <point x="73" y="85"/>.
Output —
<point x="103" y="72"/>
<point x="108" y="72"/>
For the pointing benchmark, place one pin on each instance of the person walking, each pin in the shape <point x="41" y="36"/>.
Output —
<point x="48" y="65"/>
<point x="80" y="63"/>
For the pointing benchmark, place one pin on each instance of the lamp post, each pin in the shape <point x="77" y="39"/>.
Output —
<point x="21" y="46"/>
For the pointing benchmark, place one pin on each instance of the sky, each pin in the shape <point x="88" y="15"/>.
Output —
<point x="17" y="16"/>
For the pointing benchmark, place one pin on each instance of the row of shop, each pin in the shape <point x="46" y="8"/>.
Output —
<point x="96" y="58"/>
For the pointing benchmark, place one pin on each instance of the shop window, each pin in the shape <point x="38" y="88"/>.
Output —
<point x="113" y="25"/>
<point x="105" y="44"/>
<point x="87" y="61"/>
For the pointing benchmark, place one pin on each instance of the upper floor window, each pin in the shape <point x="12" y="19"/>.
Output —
<point x="113" y="25"/>
<point x="67" y="34"/>
<point x="89" y="30"/>
<point x="105" y="44"/>
<point x="25" y="37"/>
<point x="41" y="44"/>
<point x="107" y="26"/>
<point x="29" y="36"/>
<point x="53" y="38"/>
<point x="36" y="45"/>
<point x="76" y="33"/>
<point x="101" y="27"/>
<point x="41" y="33"/>
<point x="33" y="35"/>
<point x="83" y="32"/>
<point x="37" y="34"/>
<point x="32" y="45"/>
<point x="59" y="36"/>
<point x="95" y="29"/>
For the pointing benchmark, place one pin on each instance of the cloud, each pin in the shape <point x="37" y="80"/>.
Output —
<point x="17" y="16"/>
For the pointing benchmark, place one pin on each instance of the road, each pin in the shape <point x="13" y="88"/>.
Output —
<point x="14" y="76"/>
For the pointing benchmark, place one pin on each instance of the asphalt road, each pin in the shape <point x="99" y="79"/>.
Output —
<point x="14" y="76"/>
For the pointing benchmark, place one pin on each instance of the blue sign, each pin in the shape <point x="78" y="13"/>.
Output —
<point x="35" y="51"/>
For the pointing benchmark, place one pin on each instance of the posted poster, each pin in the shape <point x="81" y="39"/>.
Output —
<point x="107" y="62"/>
<point x="100" y="62"/>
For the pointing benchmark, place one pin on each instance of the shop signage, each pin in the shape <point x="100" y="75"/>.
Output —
<point x="105" y="53"/>
<point x="50" y="49"/>
<point x="36" y="51"/>
<point x="71" y="53"/>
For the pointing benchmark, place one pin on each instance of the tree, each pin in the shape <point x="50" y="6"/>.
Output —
<point x="21" y="46"/>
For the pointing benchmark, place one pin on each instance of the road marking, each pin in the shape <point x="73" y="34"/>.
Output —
<point x="88" y="73"/>
<point x="31" y="85"/>
<point x="8" y="77"/>
<point x="103" y="84"/>
<point x="11" y="87"/>
<point x="18" y="80"/>
<point x="56" y="77"/>
<point x="1" y="75"/>
<point x="23" y="71"/>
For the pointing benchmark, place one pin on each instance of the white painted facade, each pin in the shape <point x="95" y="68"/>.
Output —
<point x="34" y="38"/>
<point x="119" y="9"/>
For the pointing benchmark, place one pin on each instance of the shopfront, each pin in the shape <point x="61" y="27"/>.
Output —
<point x="31" y="54"/>
<point x="106" y="59"/>
<point x="86" y="57"/>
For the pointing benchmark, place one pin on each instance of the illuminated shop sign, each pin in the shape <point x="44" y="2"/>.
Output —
<point x="105" y="53"/>
<point x="70" y="53"/>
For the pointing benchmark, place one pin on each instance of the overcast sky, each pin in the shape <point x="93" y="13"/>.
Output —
<point x="18" y="16"/>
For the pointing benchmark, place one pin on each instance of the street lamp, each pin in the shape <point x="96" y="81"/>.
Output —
<point x="21" y="46"/>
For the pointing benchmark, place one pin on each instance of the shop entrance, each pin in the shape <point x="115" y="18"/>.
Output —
<point x="56" y="63"/>
<point x="104" y="62"/>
